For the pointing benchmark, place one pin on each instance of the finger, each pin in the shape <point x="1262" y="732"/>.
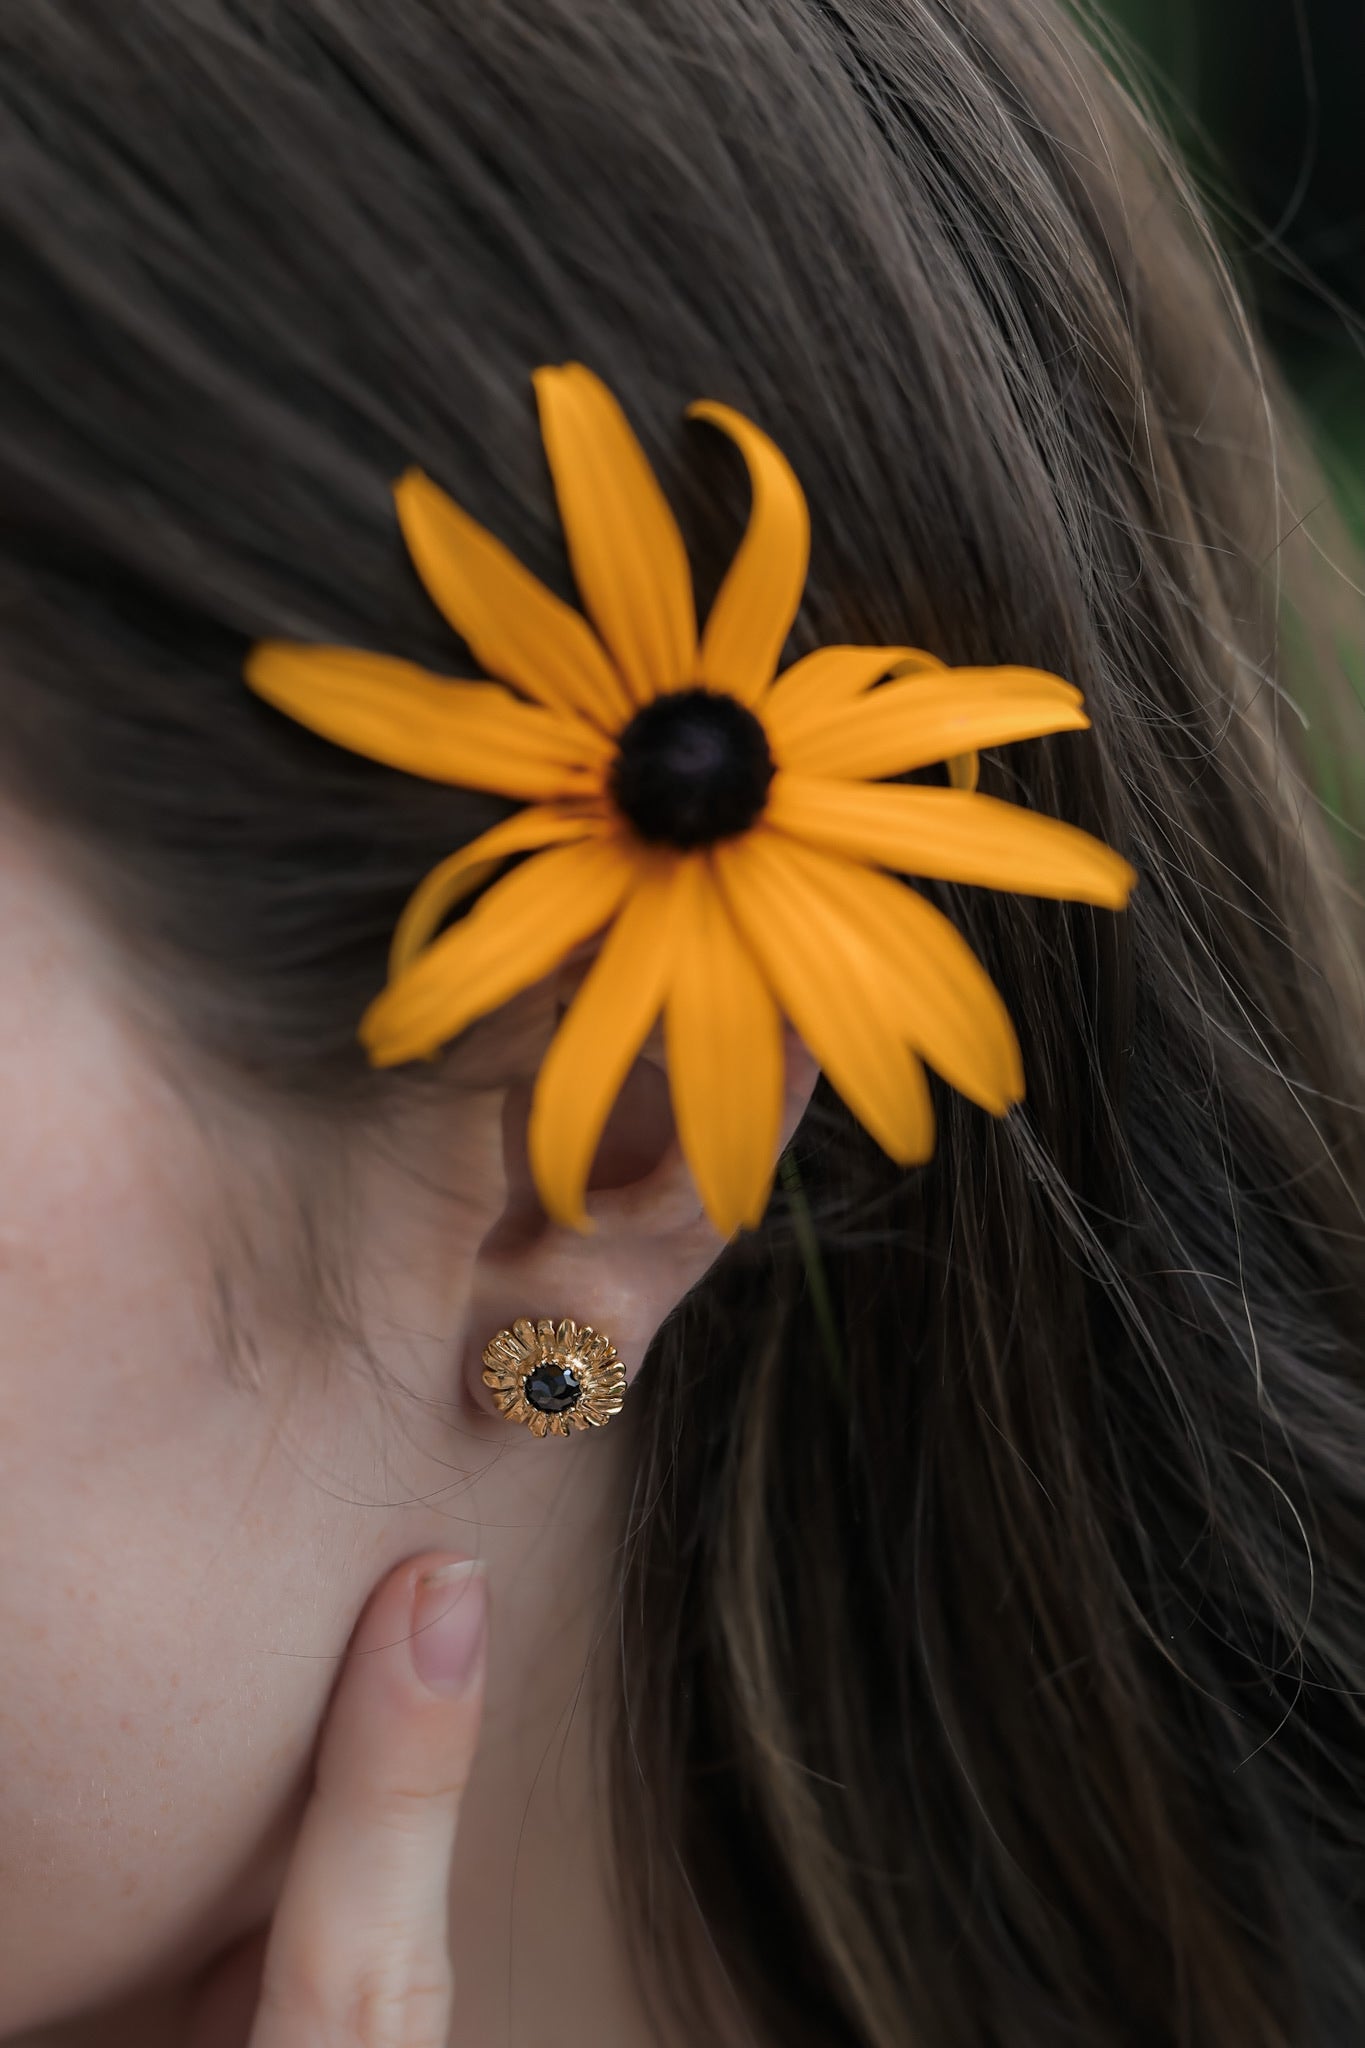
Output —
<point x="359" y="1949"/>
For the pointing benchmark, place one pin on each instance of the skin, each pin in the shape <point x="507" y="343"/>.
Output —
<point x="191" y="1528"/>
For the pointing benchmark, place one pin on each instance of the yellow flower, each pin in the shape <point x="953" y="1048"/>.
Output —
<point x="723" y="826"/>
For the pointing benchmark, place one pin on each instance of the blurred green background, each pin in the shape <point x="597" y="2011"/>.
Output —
<point x="1267" y="101"/>
<point x="1267" y="98"/>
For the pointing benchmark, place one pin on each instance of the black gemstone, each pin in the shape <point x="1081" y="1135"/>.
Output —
<point x="552" y="1388"/>
<point x="693" y="767"/>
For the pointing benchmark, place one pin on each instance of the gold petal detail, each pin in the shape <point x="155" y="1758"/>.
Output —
<point x="606" y="1024"/>
<point x="830" y="984"/>
<point x="723" y="1037"/>
<point x="477" y="735"/>
<point x="950" y="835"/>
<point x="964" y="770"/>
<point x="514" y="626"/>
<point x="907" y="725"/>
<point x="627" y="554"/>
<point x="754" y="609"/>
<point x="526" y="925"/>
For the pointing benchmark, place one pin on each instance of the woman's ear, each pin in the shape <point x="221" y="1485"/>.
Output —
<point x="650" y="1241"/>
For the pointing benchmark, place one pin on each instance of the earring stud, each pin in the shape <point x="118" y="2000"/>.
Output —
<point x="554" y="1377"/>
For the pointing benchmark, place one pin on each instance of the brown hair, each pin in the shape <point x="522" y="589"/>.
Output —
<point x="992" y="1627"/>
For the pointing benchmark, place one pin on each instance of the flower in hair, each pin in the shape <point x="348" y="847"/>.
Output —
<point x="726" y="830"/>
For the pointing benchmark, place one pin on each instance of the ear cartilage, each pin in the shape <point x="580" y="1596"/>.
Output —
<point x="554" y="1377"/>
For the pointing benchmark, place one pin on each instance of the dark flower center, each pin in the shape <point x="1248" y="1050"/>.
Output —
<point x="693" y="767"/>
<point x="552" y="1388"/>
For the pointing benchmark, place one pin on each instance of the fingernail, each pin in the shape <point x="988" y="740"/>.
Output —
<point x="449" y="1622"/>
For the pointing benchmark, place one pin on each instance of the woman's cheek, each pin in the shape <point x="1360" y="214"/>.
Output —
<point x="161" y="1532"/>
<point x="188" y="1528"/>
<point x="159" y="1709"/>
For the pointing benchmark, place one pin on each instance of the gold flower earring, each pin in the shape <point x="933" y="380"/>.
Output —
<point x="554" y="1377"/>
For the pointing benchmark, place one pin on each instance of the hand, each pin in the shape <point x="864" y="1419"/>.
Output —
<point x="357" y="1955"/>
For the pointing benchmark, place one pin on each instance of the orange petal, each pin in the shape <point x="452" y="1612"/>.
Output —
<point x="951" y="836"/>
<point x="754" y="608"/>
<point x="824" y="684"/>
<point x="935" y="990"/>
<point x="723" y="1035"/>
<point x="830" y="984"/>
<point x="526" y="925"/>
<point x="964" y="770"/>
<point x="468" y="869"/>
<point x="594" y="1048"/>
<point x="932" y="717"/>
<point x="628" y="556"/>
<point x="516" y="628"/>
<point x="475" y="734"/>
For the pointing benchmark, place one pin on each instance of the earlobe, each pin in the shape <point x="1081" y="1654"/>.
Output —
<point x="649" y="1244"/>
